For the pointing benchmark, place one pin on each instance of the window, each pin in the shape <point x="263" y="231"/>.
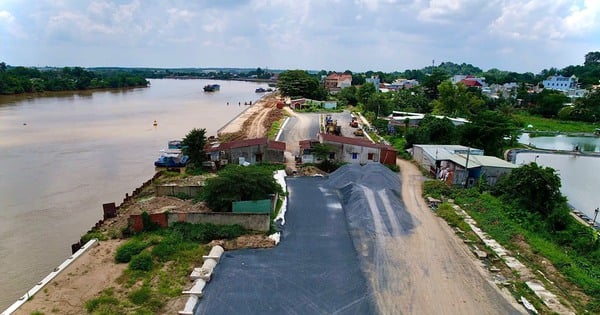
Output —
<point x="354" y="156"/>
<point x="370" y="156"/>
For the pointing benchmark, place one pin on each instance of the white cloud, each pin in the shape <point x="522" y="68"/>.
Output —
<point x="9" y="23"/>
<point x="583" y="19"/>
<point x="359" y="35"/>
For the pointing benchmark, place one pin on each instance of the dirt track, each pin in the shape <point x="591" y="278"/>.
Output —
<point x="431" y="271"/>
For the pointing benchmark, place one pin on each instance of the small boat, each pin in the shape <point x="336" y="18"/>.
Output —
<point x="173" y="156"/>
<point x="211" y="87"/>
<point x="260" y="90"/>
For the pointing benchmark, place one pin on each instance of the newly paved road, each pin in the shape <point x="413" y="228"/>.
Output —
<point x="314" y="270"/>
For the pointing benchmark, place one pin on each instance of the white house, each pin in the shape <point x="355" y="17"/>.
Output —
<point x="560" y="83"/>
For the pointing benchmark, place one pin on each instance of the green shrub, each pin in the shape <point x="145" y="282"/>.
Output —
<point x="128" y="250"/>
<point x="92" y="235"/>
<point x="141" y="295"/>
<point x="96" y="303"/>
<point x="437" y="189"/>
<point x="141" y="262"/>
<point x="206" y="232"/>
<point x="170" y="246"/>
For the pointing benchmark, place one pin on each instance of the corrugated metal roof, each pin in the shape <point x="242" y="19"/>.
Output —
<point x="480" y="161"/>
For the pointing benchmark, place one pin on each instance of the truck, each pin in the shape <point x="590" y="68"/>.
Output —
<point x="331" y="126"/>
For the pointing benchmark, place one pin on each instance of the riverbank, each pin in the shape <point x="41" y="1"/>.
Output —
<point x="68" y="292"/>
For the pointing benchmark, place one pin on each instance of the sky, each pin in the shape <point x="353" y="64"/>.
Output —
<point x="333" y="35"/>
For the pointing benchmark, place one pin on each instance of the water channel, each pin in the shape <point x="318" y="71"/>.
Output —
<point x="579" y="173"/>
<point x="63" y="156"/>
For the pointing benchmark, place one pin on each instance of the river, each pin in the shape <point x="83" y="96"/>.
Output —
<point x="63" y="156"/>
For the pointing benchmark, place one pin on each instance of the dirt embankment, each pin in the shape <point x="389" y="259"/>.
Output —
<point x="255" y="121"/>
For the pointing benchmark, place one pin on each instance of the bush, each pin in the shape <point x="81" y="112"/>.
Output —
<point x="126" y="251"/>
<point x="94" y="304"/>
<point x="437" y="189"/>
<point x="141" y="295"/>
<point x="141" y="262"/>
<point x="92" y="235"/>
<point x="206" y="232"/>
<point x="170" y="246"/>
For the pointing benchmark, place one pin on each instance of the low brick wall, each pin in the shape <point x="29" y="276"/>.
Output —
<point x="251" y="221"/>
<point x="174" y="190"/>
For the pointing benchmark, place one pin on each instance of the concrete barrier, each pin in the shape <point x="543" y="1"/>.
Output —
<point x="22" y="300"/>
<point x="196" y="289"/>
<point x="201" y="276"/>
<point x="189" y="305"/>
<point x="215" y="253"/>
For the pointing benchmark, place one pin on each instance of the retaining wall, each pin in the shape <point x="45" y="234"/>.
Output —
<point x="251" y="221"/>
<point x="174" y="190"/>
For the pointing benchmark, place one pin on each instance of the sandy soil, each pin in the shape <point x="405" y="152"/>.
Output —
<point x="443" y="276"/>
<point x="255" y="121"/>
<point x="82" y="280"/>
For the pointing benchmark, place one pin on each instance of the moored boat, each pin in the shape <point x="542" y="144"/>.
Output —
<point x="211" y="87"/>
<point x="172" y="157"/>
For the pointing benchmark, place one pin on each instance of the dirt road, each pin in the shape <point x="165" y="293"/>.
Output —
<point x="430" y="271"/>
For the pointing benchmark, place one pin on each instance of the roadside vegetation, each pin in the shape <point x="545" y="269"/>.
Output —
<point x="159" y="263"/>
<point x="526" y="213"/>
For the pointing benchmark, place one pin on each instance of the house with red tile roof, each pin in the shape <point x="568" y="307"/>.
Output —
<point x="356" y="150"/>
<point x="334" y="82"/>
<point x="247" y="151"/>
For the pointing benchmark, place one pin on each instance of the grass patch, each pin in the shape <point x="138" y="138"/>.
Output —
<point x="90" y="235"/>
<point x="574" y="252"/>
<point x="131" y="248"/>
<point x="106" y="303"/>
<point x="547" y="124"/>
<point x="275" y="126"/>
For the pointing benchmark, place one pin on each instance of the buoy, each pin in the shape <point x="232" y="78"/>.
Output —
<point x="155" y="123"/>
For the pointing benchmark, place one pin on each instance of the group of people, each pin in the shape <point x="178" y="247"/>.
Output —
<point x="240" y="103"/>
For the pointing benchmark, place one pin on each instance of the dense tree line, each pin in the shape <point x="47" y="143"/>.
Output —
<point x="16" y="80"/>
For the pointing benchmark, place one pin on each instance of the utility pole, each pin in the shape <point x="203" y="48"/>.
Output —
<point x="595" y="215"/>
<point x="467" y="168"/>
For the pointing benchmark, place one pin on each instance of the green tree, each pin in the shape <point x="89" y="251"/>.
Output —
<point x="239" y="183"/>
<point x="321" y="151"/>
<point x="298" y="83"/>
<point x="431" y="83"/>
<point x="348" y="96"/>
<point x="433" y="130"/>
<point x="378" y="104"/>
<point x="364" y="92"/>
<point x="586" y="108"/>
<point x="410" y="100"/>
<point x="592" y="58"/>
<point x="548" y="103"/>
<point x="487" y="131"/>
<point x="535" y="188"/>
<point x="456" y="101"/>
<point x="193" y="146"/>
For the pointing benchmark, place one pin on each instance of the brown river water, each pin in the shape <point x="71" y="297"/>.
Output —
<point x="63" y="156"/>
